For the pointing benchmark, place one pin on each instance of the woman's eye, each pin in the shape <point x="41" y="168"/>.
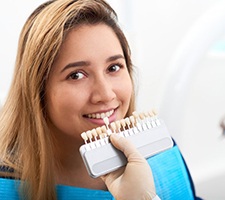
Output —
<point x="76" y="75"/>
<point x="114" y="68"/>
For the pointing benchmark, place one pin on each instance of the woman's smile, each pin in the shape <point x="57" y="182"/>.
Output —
<point x="97" y="118"/>
<point x="100" y="115"/>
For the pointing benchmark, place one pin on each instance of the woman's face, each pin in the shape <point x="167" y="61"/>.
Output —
<point x="89" y="81"/>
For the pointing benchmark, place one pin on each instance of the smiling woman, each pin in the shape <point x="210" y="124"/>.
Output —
<point x="73" y="68"/>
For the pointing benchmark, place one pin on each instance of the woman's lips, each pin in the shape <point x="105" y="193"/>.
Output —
<point x="97" y="118"/>
<point x="101" y="115"/>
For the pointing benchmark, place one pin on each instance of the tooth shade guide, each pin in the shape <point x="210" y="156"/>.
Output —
<point x="123" y="123"/>
<point x="143" y="121"/>
<point x="128" y="126"/>
<point x="127" y="121"/>
<point x="103" y="157"/>
<point x="94" y="133"/>
<point x="99" y="132"/>
<point x="90" y="136"/>
<point x="100" y="135"/>
<point x="113" y="127"/>
<point x="151" y="114"/>
<point x="118" y="125"/>
<point x="105" y="134"/>
<point x="84" y="136"/>
<point x="146" y="114"/>
<point x="106" y="121"/>
<point x="135" y="114"/>
<point x="137" y="120"/>
<point x="104" y="130"/>
<point x="154" y="112"/>
<point x="142" y="116"/>
<point x="132" y="120"/>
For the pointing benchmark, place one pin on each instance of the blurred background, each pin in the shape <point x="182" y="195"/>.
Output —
<point x="178" y="48"/>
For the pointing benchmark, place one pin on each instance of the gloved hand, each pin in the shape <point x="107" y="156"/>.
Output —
<point x="135" y="180"/>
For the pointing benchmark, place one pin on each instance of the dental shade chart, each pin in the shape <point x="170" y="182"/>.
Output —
<point x="145" y="130"/>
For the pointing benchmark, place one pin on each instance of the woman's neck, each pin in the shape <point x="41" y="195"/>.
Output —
<point x="70" y="169"/>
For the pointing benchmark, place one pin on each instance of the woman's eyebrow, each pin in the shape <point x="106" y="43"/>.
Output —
<point x="115" y="57"/>
<point x="86" y="63"/>
<point x="75" y="64"/>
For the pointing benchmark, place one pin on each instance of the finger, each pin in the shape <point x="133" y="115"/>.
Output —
<point x="110" y="177"/>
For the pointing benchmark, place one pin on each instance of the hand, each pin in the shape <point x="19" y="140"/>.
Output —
<point x="134" y="181"/>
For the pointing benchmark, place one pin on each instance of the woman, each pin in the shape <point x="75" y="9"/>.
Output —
<point x="73" y="67"/>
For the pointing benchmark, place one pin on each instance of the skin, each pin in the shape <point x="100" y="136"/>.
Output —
<point x="89" y="76"/>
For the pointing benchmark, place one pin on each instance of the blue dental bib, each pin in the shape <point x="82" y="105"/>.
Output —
<point x="172" y="182"/>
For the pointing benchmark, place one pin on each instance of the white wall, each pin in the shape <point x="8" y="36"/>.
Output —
<point x="12" y="17"/>
<point x="156" y="29"/>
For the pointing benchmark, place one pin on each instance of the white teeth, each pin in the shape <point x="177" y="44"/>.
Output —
<point x="101" y="115"/>
<point x="97" y="116"/>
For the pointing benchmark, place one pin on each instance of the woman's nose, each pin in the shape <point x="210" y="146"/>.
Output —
<point x="102" y="91"/>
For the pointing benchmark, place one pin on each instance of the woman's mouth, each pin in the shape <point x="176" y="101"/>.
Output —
<point x="97" y="118"/>
<point x="100" y="115"/>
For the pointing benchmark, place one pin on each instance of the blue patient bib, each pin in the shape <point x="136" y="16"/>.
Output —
<point x="171" y="178"/>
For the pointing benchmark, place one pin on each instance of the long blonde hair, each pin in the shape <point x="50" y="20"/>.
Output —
<point x="25" y="140"/>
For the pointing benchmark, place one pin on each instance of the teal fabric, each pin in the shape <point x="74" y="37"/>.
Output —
<point x="170" y="176"/>
<point x="74" y="193"/>
<point x="169" y="171"/>
<point x="9" y="189"/>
